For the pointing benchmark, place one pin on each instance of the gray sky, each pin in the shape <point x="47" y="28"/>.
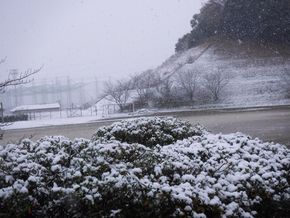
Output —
<point x="91" y="38"/>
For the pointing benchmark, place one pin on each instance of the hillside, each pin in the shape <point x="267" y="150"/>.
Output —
<point x="236" y="54"/>
<point x="263" y="22"/>
<point x="255" y="71"/>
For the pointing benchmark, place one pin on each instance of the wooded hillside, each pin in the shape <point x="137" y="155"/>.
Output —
<point x="261" y="21"/>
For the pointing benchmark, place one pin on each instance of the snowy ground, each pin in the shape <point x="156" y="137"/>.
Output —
<point x="55" y="122"/>
<point x="255" y="73"/>
<point x="48" y="122"/>
<point x="87" y="118"/>
<point x="270" y="124"/>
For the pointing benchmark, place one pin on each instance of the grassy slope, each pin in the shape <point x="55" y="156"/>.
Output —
<point x="255" y="71"/>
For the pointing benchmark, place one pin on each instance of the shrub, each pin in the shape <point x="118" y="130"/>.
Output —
<point x="228" y="175"/>
<point x="148" y="131"/>
<point x="14" y="118"/>
<point x="55" y="177"/>
<point x="205" y="175"/>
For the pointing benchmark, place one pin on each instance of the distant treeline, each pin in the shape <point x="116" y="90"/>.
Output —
<point x="259" y="20"/>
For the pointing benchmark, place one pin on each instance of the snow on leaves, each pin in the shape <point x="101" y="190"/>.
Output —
<point x="148" y="131"/>
<point x="204" y="175"/>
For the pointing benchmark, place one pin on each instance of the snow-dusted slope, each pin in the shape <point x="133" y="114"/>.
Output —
<point x="254" y="71"/>
<point x="176" y="61"/>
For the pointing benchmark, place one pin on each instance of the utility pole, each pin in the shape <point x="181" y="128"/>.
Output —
<point x="44" y="92"/>
<point x="68" y="92"/>
<point x="14" y="74"/>
<point x="58" y="91"/>
<point x="96" y="87"/>
<point x="81" y="93"/>
<point x="2" y="112"/>
<point x="34" y="93"/>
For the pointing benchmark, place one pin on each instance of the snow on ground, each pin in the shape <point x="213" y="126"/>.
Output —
<point x="45" y="120"/>
<point x="56" y="120"/>
<point x="48" y="122"/>
<point x="255" y="73"/>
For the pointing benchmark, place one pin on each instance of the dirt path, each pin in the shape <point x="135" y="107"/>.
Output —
<point x="268" y="124"/>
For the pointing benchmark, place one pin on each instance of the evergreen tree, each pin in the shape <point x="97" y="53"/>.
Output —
<point x="262" y="21"/>
<point x="265" y="20"/>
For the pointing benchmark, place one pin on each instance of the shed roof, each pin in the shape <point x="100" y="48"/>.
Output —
<point x="36" y="107"/>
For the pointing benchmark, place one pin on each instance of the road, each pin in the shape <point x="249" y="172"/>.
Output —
<point x="271" y="124"/>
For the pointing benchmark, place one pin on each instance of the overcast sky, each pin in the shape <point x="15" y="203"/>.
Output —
<point x="91" y="38"/>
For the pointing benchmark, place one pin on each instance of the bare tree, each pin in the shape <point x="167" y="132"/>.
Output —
<point x="118" y="92"/>
<point x="22" y="78"/>
<point x="143" y="84"/>
<point x="188" y="82"/>
<point x="164" y="92"/>
<point x="215" y="83"/>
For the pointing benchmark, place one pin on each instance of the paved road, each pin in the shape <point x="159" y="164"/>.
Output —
<point x="271" y="124"/>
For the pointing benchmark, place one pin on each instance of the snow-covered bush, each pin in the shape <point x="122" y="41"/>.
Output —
<point x="55" y="177"/>
<point x="148" y="131"/>
<point x="208" y="175"/>
<point x="30" y="174"/>
<point x="228" y="175"/>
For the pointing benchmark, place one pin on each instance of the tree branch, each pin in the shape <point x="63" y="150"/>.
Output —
<point x="20" y="79"/>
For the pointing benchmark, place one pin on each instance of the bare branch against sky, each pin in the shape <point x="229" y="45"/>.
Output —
<point x="91" y="38"/>
<point x="18" y="79"/>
